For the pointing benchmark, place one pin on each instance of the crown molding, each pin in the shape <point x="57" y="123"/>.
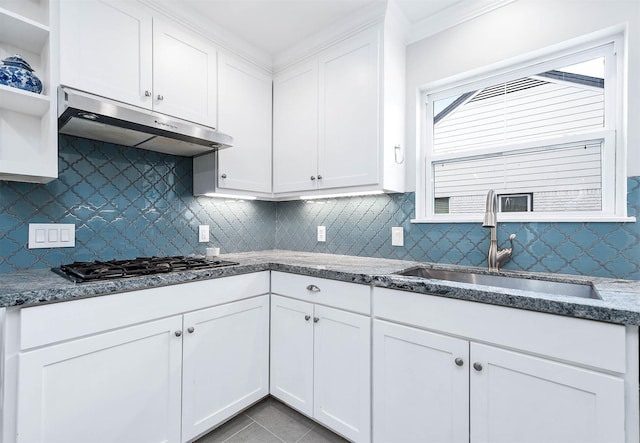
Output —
<point x="218" y="35"/>
<point x="356" y="22"/>
<point x="452" y="16"/>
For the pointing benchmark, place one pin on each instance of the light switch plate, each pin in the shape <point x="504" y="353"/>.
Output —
<point x="322" y="233"/>
<point x="397" y="236"/>
<point x="203" y="233"/>
<point x="52" y="235"/>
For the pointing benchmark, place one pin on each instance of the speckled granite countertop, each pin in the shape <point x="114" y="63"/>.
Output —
<point x="620" y="298"/>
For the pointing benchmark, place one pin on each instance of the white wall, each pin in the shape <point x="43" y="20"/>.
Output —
<point x="518" y="28"/>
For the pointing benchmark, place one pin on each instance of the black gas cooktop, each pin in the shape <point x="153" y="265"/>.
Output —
<point x="80" y="272"/>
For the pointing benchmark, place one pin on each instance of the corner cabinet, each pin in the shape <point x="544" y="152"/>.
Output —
<point x="180" y="359"/>
<point x="244" y="104"/>
<point x="320" y="351"/>
<point x="119" y="50"/>
<point x="28" y="121"/>
<point x="338" y="118"/>
<point x="517" y="376"/>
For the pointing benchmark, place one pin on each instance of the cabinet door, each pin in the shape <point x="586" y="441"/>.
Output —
<point x="244" y="112"/>
<point x="292" y="352"/>
<point x="119" y="386"/>
<point x="420" y="391"/>
<point x="342" y="372"/>
<point x="516" y="397"/>
<point x="226" y="362"/>
<point x="349" y="114"/>
<point x="106" y="49"/>
<point x="184" y="74"/>
<point x="295" y="128"/>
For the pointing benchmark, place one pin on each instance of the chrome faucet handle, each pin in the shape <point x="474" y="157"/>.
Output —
<point x="503" y="255"/>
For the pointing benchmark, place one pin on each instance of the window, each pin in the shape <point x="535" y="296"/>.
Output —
<point x="547" y="131"/>
<point x="515" y="202"/>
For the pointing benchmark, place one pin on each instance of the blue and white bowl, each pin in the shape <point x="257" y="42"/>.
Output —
<point x="16" y="73"/>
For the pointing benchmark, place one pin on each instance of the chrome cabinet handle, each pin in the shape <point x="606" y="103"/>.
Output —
<point x="316" y="319"/>
<point x="190" y="329"/>
<point x="147" y="93"/>
<point x="477" y="366"/>
<point x="459" y="362"/>
<point x="313" y="288"/>
<point x="313" y="177"/>
<point x="223" y="176"/>
<point x="160" y="97"/>
<point x="307" y="317"/>
<point x="319" y="177"/>
<point x="178" y="333"/>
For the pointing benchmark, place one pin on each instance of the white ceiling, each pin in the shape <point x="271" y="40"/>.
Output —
<point x="275" y="25"/>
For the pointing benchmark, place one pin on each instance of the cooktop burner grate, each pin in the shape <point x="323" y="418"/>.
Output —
<point x="102" y="270"/>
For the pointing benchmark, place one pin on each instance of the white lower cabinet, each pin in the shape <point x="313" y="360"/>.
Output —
<point x="321" y="359"/>
<point x="420" y="394"/>
<point x="166" y="380"/>
<point x="292" y="353"/>
<point x="518" y="397"/>
<point x="119" y="386"/>
<point x="341" y="372"/>
<point x="444" y="385"/>
<point x="225" y="362"/>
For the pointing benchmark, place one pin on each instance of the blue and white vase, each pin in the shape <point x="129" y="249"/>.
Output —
<point x="17" y="73"/>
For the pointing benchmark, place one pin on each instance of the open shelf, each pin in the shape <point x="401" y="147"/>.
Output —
<point x="24" y="102"/>
<point x="28" y="124"/>
<point x="22" y="32"/>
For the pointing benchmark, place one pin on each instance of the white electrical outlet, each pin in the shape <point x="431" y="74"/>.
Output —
<point x="397" y="236"/>
<point x="203" y="233"/>
<point x="322" y="233"/>
<point x="52" y="235"/>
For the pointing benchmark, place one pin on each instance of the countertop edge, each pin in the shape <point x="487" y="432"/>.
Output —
<point x="620" y="302"/>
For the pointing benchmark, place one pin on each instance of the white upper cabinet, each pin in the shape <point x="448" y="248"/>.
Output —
<point x="28" y="121"/>
<point x="295" y="128"/>
<point x="244" y="101"/>
<point x="349" y="87"/>
<point x="118" y="50"/>
<point x="184" y="74"/>
<point x="338" y="118"/>
<point x="106" y="49"/>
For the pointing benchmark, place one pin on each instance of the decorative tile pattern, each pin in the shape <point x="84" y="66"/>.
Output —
<point x="362" y="226"/>
<point x="128" y="202"/>
<point x="125" y="202"/>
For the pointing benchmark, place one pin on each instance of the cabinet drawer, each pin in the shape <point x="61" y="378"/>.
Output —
<point x="42" y="325"/>
<point x="348" y="296"/>
<point x="586" y="342"/>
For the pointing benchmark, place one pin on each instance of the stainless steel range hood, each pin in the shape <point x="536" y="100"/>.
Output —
<point x="98" y="118"/>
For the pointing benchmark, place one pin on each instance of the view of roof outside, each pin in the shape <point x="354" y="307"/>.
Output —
<point x="562" y="101"/>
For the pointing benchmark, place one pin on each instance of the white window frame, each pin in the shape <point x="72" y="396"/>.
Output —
<point x="614" y="177"/>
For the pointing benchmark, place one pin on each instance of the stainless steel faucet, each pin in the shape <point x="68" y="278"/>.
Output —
<point x="495" y="257"/>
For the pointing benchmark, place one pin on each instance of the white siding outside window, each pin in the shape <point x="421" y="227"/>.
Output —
<point x="549" y="128"/>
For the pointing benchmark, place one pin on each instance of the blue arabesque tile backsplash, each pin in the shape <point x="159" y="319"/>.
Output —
<point x="128" y="202"/>
<point x="125" y="202"/>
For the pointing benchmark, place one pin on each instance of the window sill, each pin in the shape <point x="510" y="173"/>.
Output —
<point x="530" y="218"/>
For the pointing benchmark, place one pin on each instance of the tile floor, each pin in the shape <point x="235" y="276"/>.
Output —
<point x="271" y="421"/>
